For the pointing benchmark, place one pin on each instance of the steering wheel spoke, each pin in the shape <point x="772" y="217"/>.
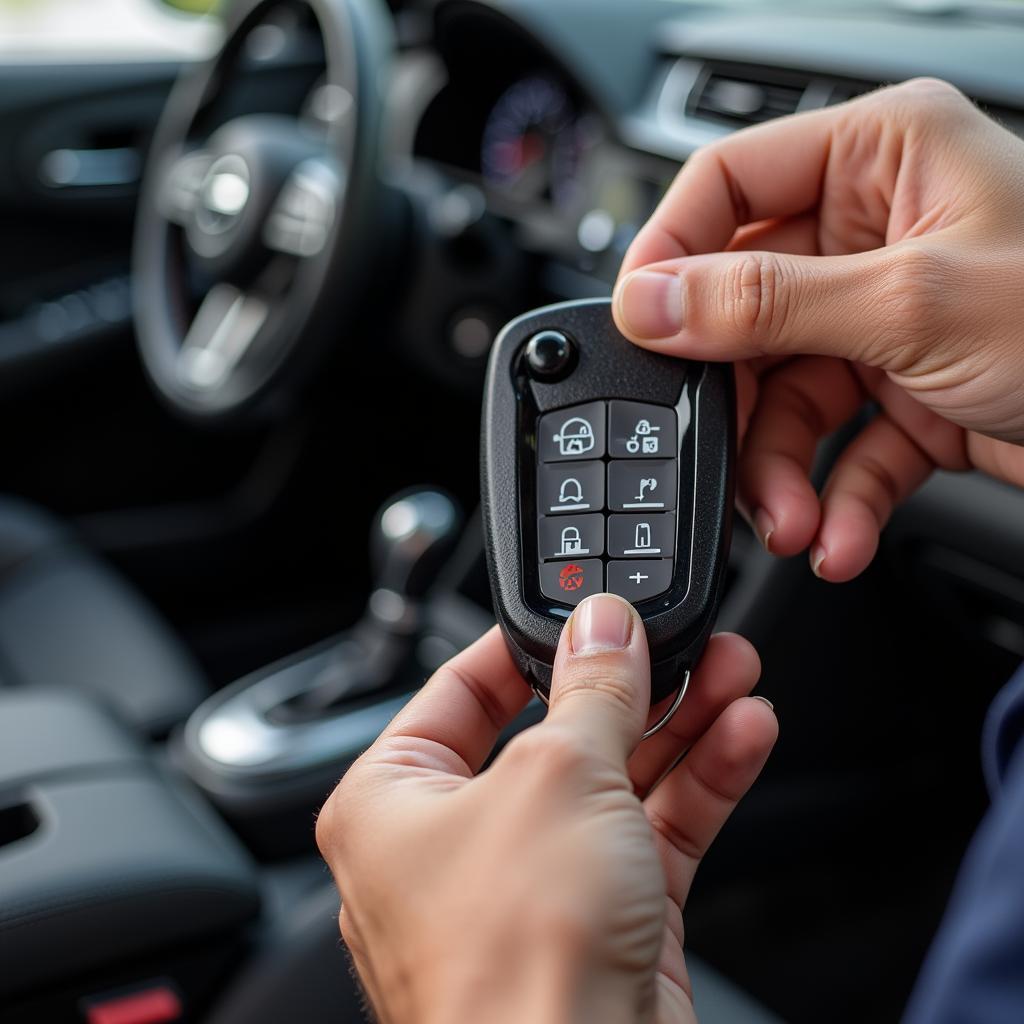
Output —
<point x="300" y="222"/>
<point x="222" y="331"/>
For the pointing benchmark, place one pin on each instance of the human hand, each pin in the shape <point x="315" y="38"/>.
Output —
<point x="549" y="886"/>
<point x="869" y="251"/>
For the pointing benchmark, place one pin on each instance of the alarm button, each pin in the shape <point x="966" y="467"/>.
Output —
<point x="637" y="430"/>
<point x="571" y="580"/>
<point x="574" y="433"/>
<point x="641" y="579"/>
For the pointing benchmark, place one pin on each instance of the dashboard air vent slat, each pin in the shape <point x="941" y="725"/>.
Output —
<point x="739" y="98"/>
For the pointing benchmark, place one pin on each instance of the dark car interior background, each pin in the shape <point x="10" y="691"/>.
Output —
<point x="240" y="479"/>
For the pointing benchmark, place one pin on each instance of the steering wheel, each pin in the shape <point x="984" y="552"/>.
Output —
<point x="268" y="217"/>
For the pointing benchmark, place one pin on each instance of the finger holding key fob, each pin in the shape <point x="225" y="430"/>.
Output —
<point x="605" y="467"/>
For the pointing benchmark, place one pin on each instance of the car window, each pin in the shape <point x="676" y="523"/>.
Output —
<point x="104" y="31"/>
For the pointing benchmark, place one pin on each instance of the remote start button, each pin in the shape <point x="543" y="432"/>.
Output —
<point x="573" y="433"/>
<point x="571" y="536"/>
<point x="642" y="536"/>
<point x="639" y="580"/>
<point x="640" y="431"/>
<point x="571" y="581"/>
<point x="575" y="488"/>
<point x="642" y="485"/>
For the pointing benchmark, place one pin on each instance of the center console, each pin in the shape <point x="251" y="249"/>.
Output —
<point x="184" y="879"/>
<point x="268" y="749"/>
<point x="116" y="882"/>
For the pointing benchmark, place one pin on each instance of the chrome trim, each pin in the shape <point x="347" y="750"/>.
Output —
<point x="658" y="725"/>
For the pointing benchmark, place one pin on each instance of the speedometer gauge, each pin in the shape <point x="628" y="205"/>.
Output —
<point x="532" y="142"/>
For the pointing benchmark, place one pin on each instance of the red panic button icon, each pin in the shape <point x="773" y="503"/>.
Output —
<point x="571" y="577"/>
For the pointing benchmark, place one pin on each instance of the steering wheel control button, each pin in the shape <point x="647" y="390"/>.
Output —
<point x="574" y="433"/>
<point x="575" y="488"/>
<point x="639" y="580"/>
<point x="642" y="536"/>
<point x="571" y="536"/>
<point x="642" y="486"/>
<point x="637" y="430"/>
<point x="571" y="580"/>
<point x="550" y="355"/>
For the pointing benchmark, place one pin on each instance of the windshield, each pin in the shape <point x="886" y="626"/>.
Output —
<point x="102" y="31"/>
<point x="988" y="9"/>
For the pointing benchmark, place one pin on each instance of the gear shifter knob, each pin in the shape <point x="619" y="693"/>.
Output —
<point x="413" y="535"/>
<point x="258" y="721"/>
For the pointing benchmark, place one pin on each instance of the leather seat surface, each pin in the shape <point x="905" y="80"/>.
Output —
<point x="67" y="620"/>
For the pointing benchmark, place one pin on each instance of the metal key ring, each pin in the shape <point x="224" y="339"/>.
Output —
<point x="659" y="725"/>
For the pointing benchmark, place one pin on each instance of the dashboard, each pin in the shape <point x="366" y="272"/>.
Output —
<point x="508" y="118"/>
<point x="571" y="118"/>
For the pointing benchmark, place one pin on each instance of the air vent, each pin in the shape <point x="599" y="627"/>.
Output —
<point x="844" y="90"/>
<point x="736" y="97"/>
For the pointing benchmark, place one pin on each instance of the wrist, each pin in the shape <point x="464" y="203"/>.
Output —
<point x="533" y="984"/>
<point x="500" y="990"/>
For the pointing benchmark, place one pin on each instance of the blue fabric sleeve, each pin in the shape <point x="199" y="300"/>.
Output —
<point x="974" y="972"/>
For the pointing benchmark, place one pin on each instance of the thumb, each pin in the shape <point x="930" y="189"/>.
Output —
<point x="738" y="305"/>
<point x="601" y="684"/>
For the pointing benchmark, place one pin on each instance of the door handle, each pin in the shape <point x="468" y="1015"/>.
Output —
<point x="90" y="168"/>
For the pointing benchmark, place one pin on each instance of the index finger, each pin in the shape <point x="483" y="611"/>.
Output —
<point x="452" y="724"/>
<point x="690" y="806"/>
<point x="770" y="171"/>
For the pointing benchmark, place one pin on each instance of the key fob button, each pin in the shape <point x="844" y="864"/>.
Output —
<point x="643" y="485"/>
<point x="550" y="355"/>
<point x="578" y="487"/>
<point x="574" y="433"/>
<point x="571" y="536"/>
<point x="570" y="581"/>
<point x="637" y="430"/>
<point x="642" y="536"/>
<point x="638" y="580"/>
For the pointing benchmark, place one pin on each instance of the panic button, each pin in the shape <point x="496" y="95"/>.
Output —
<point x="571" y="580"/>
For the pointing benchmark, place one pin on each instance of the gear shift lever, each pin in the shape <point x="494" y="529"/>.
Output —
<point x="413" y="534"/>
<point x="266" y="748"/>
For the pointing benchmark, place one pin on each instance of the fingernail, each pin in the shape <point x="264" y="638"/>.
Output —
<point x="651" y="304"/>
<point x="765" y="527"/>
<point x="601" y="623"/>
<point x="817" y="557"/>
<point x="764" y="700"/>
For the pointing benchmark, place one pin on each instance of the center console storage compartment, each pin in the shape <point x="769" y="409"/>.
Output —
<point x="111" y="873"/>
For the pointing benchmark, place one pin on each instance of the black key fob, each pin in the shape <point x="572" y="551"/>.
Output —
<point x="605" y="467"/>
